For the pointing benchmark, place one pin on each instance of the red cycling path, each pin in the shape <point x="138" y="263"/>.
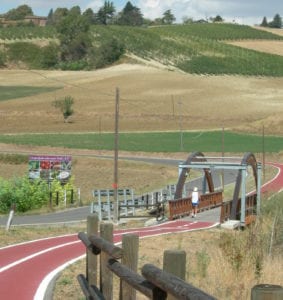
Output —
<point x="26" y="269"/>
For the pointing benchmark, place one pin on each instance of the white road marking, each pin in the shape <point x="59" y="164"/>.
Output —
<point x="34" y="241"/>
<point x="42" y="288"/>
<point x="17" y="262"/>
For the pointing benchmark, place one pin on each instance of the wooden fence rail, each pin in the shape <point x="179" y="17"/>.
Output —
<point x="154" y="282"/>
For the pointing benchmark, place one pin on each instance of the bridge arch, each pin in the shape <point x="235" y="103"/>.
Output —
<point x="194" y="157"/>
<point x="249" y="160"/>
<point x="242" y="205"/>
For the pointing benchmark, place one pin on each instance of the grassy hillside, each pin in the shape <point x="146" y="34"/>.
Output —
<point x="199" y="48"/>
<point x="195" y="48"/>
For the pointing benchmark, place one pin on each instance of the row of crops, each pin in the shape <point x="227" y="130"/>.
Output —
<point x="194" y="48"/>
<point x="16" y="33"/>
<point x="199" y="48"/>
<point x="216" y="31"/>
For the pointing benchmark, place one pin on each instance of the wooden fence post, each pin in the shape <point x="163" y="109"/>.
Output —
<point x="267" y="292"/>
<point x="174" y="262"/>
<point x="91" y="259"/>
<point x="130" y="246"/>
<point x="106" y="276"/>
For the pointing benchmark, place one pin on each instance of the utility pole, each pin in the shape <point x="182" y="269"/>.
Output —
<point x="116" y="148"/>
<point x="263" y="152"/>
<point x="173" y="106"/>
<point x="181" y="127"/>
<point x="222" y="172"/>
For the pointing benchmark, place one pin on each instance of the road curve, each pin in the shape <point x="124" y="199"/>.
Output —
<point x="24" y="267"/>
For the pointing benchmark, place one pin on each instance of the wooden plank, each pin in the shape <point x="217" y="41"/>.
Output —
<point x="172" y="284"/>
<point x="136" y="281"/>
<point x="130" y="246"/>
<point x="106" y="276"/>
<point x="174" y="262"/>
<point x="91" y="259"/>
<point x="90" y="292"/>
<point x="106" y="246"/>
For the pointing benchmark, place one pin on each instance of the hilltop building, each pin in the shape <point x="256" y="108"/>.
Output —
<point x="36" y="20"/>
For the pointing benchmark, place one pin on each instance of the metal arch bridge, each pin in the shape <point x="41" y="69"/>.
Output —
<point x="197" y="160"/>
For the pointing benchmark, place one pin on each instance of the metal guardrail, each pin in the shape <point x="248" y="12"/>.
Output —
<point x="128" y="202"/>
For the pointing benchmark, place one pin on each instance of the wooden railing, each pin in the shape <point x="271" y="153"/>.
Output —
<point x="183" y="207"/>
<point x="153" y="282"/>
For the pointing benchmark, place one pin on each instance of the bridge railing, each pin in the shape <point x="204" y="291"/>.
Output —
<point x="183" y="207"/>
<point x="128" y="202"/>
<point x="250" y="209"/>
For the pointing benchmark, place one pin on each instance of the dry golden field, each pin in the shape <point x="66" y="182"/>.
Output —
<point x="150" y="99"/>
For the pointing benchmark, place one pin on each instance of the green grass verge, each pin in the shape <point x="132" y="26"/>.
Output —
<point x="154" y="142"/>
<point x="14" y="92"/>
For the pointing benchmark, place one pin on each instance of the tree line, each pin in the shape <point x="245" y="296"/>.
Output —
<point x="130" y="15"/>
<point x="275" y="23"/>
<point x="107" y="14"/>
<point x="78" y="48"/>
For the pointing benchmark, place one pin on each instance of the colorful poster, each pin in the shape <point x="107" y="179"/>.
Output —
<point x="50" y="167"/>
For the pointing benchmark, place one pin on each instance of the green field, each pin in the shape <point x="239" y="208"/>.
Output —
<point x="212" y="141"/>
<point x="14" y="92"/>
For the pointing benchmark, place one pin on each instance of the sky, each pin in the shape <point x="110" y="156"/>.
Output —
<point x="248" y="12"/>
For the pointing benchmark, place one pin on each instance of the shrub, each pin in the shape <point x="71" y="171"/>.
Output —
<point x="108" y="52"/>
<point x="65" y="105"/>
<point x="27" y="53"/>
<point x="49" y="56"/>
<point x="2" y="58"/>
<point x="27" y="195"/>
<point x="6" y="196"/>
<point x="22" y="193"/>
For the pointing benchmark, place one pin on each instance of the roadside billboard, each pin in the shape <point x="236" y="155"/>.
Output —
<point x="49" y="167"/>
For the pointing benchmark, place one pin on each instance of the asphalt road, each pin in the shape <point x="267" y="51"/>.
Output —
<point x="75" y="215"/>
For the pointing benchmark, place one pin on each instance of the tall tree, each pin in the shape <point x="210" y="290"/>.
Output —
<point x="264" y="22"/>
<point x="50" y="17"/>
<point x="106" y="13"/>
<point x="130" y="15"/>
<point x="58" y="15"/>
<point x="75" y="11"/>
<point x="74" y="38"/>
<point x="216" y="19"/>
<point x="19" y="13"/>
<point x="89" y="16"/>
<point x="277" y="22"/>
<point x="168" y="17"/>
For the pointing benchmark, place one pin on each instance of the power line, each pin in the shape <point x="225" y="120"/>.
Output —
<point x="69" y="83"/>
